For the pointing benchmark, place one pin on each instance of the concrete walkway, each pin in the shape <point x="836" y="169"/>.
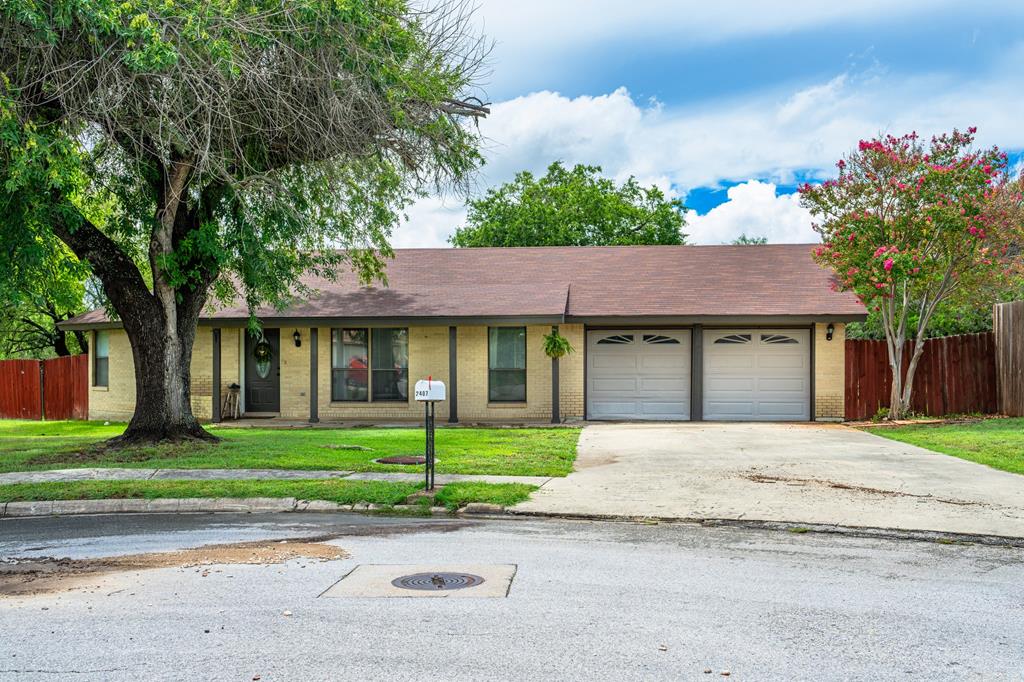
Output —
<point x="801" y="473"/>
<point x="121" y="474"/>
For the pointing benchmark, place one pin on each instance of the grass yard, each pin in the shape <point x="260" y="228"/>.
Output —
<point x="998" y="443"/>
<point x="32" y="445"/>
<point x="452" y="496"/>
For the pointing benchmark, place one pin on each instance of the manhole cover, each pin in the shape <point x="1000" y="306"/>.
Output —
<point x="437" y="581"/>
<point x="401" y="459"/>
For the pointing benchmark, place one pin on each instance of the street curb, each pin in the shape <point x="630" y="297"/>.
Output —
<point x="266" y="505"/>
<point x="788" y="526"/>
<point x="193" y="505"/>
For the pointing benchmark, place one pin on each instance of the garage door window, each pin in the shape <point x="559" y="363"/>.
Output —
<point x="733" y="338"/>
<point x="506" y="353"/>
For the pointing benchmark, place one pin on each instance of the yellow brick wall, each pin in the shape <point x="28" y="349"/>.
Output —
<point x="829" y="373"/>
<point x="570" y="373"/>
<point x="116" y="401"/>
<point x="294" y="367"/>
<point x="428" y="356"/>
<point x="473" y="373"/>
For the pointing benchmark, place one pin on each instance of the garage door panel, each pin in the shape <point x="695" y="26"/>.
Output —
<point x="613" y="384"/>
<point x="713" y="384"/>
<point x="668" y="409"/>
<point x="757" y="375"/>
<point x="608" y="361"/>
<point x="648" y="378"/>
<point x="779" y="384"/>
<point x="728" y="362"/>
<point x="793" y="410"/>
<point x="729" y="410"/>
<point x="616" y="410"/>
<point x="781" y="361"/>
<point x="674" y="384"/>
<point x="659" y="362"/>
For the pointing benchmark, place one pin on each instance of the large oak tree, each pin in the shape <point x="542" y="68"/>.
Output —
<point x="199" y="150"/>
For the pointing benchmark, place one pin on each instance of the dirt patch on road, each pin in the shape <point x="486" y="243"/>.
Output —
<point x="836" y="485"/>
<point x="27" y="576"/>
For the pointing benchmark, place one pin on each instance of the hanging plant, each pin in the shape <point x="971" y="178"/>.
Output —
<point x="556" y="345"/>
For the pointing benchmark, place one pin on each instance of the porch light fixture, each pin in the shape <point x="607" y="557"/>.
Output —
<point x="298" y="338"/>
<point x="829" y="331"/>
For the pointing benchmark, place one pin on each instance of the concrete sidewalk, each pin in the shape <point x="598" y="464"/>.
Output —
<point x="122" y="474"/>
<point x="797" y="473"/>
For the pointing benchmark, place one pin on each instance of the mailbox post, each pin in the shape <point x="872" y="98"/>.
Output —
<point x="429" y="392"/>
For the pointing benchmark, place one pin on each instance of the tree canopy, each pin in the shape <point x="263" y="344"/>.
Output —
<point x="205" y="150"/>
<point x="572" y="207"/>
<point x="909" y="227"/>
<point x="749" y="240"/>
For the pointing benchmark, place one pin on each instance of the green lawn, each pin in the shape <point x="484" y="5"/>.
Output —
<point x="30" y="445"/>
<point x="452" y="496"/>
<point x="998" y="443"/>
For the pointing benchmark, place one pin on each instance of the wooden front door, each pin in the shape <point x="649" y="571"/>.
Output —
<point x="263" y="372"/>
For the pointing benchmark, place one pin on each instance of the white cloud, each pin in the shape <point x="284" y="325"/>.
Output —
<point x="753" y="208"/>
<point x="769" y="136"/>
<point x="430" y="222"/>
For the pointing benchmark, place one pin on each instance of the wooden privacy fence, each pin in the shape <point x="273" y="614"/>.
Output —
<point x="956" y="374"/>
<point x="45" y="389"/>
<point x="1008" y="327"/>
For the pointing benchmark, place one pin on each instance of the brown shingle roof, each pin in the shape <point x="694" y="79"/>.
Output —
<point x="579" y="282"/>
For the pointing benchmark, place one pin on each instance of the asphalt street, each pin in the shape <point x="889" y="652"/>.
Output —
<point x="589" y="601"/>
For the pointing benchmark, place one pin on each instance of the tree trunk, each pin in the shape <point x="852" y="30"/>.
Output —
<point x="160" y="324"/>
<point x="163" y="406"/>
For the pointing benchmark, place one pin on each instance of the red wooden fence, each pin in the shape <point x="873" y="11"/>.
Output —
<point x="54" y="389"/>
<point x="956" y="374"/>
<point x="20" y="397"/>
<point x="66" y="387"/>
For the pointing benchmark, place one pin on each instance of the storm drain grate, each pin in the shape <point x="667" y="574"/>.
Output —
<point x="437" y="581"/>
<point x="401" y="459"/>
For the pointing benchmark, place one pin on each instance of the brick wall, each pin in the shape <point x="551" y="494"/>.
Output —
<point x="829" y="373"/>
<point x="117" y="401"/>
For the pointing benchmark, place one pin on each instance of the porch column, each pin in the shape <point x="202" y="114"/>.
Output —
<point x="697" y="373"/>
<point x="313" y="383"/>
<point x="215" y="412"/>
<point x="556" y="416"/>
<point x="453" y="375"/>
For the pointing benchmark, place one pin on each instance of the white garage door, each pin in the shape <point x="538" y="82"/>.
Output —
<point x="757" y="374"/>
<point x="638" y="374"/>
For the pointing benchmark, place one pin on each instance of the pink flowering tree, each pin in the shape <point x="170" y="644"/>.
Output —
<point x="907" y="225"/>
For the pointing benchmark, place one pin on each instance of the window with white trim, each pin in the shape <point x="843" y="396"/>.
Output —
<point x="101" y="358"/>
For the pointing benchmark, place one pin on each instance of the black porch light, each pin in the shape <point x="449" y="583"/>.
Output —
<point x="829" y="331"/>
<point x="298" y="338"/>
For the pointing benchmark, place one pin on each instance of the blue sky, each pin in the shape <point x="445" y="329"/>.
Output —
<point x="729" y="105"/>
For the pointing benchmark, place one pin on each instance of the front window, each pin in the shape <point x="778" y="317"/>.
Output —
<point x="101" y="359"/>
<point x="369" y="364"/>
<point x="506" y="353"/>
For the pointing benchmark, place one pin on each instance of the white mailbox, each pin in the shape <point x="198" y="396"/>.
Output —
<point x="429" y="391"/>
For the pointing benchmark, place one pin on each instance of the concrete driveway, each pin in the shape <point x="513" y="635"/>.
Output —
<point x="803" y="473"/>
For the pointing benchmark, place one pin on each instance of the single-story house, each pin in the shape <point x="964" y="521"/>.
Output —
<point x="660" y="333"/>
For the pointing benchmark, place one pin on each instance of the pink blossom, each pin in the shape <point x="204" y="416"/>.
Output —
<point x="879" y="251"/>
<point x="888" y="264"/>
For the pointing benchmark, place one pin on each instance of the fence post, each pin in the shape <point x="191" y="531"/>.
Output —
<point x="42" y="391"/>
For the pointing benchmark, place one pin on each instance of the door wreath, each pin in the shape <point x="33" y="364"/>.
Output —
<point x="263" y="353"/>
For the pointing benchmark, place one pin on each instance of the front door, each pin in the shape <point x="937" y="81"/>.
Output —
<point x="262" y="372"/>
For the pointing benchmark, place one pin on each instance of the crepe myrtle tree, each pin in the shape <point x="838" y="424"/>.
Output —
<point x="907" y="225"/>
<point x="197" y="151"/>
